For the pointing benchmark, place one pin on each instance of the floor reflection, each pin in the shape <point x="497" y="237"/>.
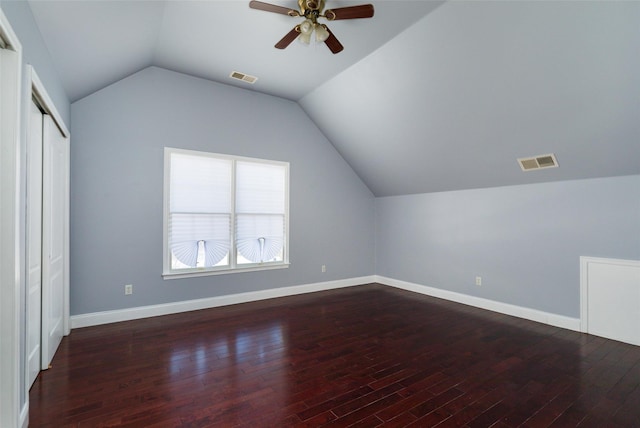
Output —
<point x="232" y="367"/>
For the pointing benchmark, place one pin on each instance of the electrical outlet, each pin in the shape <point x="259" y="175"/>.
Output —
<point x="128" y="289"/>
<point x="324" y="268"/>
<point x="478" y="280"/>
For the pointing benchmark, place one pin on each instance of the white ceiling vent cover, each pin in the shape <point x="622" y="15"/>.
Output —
<point x="244" y="77"/>
<point x="538" y="162"/>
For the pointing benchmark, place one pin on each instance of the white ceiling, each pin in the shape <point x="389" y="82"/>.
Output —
<point x="425" y="97"/>
<point x="109" y="40"/>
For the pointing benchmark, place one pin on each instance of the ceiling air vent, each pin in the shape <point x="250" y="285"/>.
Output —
<point x="243" y="77"/>
<point x="538" y="162"/>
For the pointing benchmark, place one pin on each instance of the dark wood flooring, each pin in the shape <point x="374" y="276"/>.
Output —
<point x="363" y="356"/>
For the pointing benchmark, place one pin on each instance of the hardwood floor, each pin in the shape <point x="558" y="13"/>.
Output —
<point x="363" y="356"/>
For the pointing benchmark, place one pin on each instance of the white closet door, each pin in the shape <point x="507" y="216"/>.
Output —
<point x="54" y="229"/>
<point x="34" y="244"/>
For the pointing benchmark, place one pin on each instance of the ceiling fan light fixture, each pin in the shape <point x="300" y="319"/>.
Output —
<point x="322" y="33"/>
<point x="306" y="29"/>
<point x="305" y="38"/>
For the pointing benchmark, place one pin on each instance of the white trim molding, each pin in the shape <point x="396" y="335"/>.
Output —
<point x="106" y="317"/>
<point x="491" y="305"/>
<point x="39" y="91"/>
<point x="118" y="315"/>
<point x="13" y="407"/>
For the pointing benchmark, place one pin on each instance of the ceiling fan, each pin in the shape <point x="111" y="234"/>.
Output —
<point x="311" y="10"/>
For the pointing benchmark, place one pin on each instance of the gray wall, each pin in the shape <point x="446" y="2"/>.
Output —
<point x="36" y="53"/>
<point x="117" y="176"/>
<point x="524" y="241"/>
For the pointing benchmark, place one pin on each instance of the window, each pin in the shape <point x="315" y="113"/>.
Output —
<point x="224" y="213"/>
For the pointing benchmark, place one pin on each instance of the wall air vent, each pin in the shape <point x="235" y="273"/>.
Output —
<point x="243" y="77"/>
<point x="538" y="162"/>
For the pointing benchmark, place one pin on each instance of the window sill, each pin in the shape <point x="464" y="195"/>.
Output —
<point x="197" y="273"/>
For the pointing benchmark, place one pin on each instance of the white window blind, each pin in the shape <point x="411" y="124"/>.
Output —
<point x="224" y="213"/>
<point x="260" y="208"/>
<point x="200" y="210"/>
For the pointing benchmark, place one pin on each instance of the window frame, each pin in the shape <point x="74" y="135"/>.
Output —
<point x="232" y="267"/>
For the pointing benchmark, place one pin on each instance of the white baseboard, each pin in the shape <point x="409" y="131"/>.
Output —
<point x="491" y="305"/>
<point x="106" y="317"/>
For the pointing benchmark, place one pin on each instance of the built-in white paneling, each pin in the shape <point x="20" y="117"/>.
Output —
<point x="610" y="304"/>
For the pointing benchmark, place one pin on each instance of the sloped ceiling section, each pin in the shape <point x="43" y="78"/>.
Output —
<point x="209" y="39"/>
<point x="454" y="100"/>
<point x="95" y="43"/>
<point x="427" y="96"/>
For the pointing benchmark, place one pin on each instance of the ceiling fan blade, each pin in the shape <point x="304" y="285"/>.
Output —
<point x="332" y="42"/>
<point x="288" y="38"/>
<point x="268" y="7"/>
<point x="351" y="12"/>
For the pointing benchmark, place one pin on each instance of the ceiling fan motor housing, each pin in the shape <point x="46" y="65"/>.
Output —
<point x="311" y="9"/>
<point x="311" y="5"/>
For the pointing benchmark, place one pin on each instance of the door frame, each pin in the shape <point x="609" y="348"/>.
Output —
<point x="13" y="408"/>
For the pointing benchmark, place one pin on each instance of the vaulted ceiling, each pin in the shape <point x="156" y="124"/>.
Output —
<point x="427" y="96"/>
